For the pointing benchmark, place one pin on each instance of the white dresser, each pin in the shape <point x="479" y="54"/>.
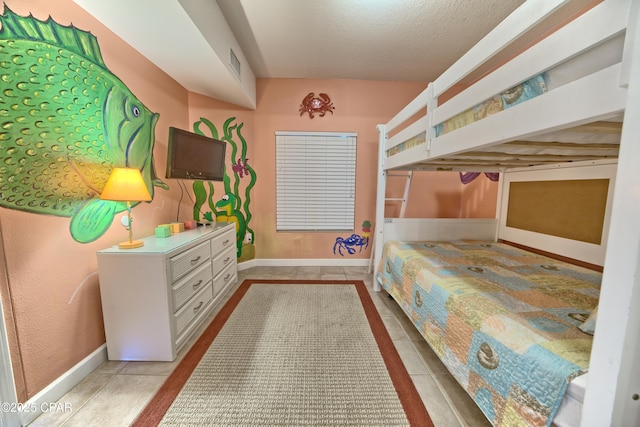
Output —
<point x="156" y="296"/>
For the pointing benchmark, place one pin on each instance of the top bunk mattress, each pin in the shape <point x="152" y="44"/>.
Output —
<point x="529" y="89"/>
<point x="533" y="87"/>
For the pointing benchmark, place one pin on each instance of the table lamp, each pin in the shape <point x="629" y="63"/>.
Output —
<point x="126" y="185"/>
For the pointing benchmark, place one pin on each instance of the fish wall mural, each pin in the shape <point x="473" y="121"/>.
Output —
<point x="229" y="206"/>
<point x="65" y="122"/>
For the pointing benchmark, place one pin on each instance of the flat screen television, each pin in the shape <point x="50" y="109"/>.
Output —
<point x="193" y="156"/>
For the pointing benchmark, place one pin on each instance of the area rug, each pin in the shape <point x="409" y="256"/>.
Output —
<point x="291" y="353"/>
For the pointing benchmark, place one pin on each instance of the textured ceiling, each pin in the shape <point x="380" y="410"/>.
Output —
<point x="400" y="40"/>
<point x="405" y="40"/>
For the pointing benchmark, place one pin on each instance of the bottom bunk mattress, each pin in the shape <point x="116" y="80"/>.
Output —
<point x="505" y="322"/>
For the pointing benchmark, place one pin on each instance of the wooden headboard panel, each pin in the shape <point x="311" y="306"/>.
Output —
<point x="562" y="209"/>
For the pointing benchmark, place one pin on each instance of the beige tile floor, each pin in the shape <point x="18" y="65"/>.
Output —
<point x="116" y="392"/>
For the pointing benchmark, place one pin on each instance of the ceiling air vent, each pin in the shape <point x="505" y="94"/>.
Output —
<point x="235" y="62"/>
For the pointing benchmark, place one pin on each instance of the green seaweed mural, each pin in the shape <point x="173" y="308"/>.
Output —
<point x="65" y="122"/>
<point x="230" y="206"/>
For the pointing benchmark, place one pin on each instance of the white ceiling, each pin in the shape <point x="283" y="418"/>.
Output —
<point x="403" y="40"/>
<point x="408" y="40"/>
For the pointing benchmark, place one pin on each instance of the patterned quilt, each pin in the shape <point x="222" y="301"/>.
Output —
<point x="504" y="321"/>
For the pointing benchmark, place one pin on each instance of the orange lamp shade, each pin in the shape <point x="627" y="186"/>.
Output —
<point x="127" y="185"/>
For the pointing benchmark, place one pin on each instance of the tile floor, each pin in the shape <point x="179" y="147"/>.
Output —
<point x="116" y="392"/>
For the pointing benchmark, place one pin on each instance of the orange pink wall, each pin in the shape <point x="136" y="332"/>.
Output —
<point x="359" y="107"/>
<point x="479" y="198"/>
<point x="431" y="195"/>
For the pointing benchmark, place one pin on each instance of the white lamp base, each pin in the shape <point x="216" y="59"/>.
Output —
<point x="131" y="244"/>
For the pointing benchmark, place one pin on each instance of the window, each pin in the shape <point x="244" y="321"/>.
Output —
<point x="315" y="181"/>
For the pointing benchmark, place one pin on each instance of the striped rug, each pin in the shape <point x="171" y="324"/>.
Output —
<point x="291" y="353"/>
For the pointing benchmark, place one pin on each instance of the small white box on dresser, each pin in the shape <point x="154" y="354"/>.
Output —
<point x="156" y="296"/>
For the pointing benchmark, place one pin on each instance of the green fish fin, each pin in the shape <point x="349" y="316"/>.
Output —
<point x="81" y="42"/>
<point x="157" y="182"/>
<point x="93" y="219"/>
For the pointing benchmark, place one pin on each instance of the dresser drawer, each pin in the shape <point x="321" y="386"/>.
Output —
<point x="226" y="276"/>
<point x="222" y="260"/>
<point x="186" y="261"/>
<point x="220" y="243"/>
<point x="190" y="284"/>
<point x="191" y="309"/>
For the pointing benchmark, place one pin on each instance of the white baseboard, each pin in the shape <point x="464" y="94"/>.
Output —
<point x="58" y="388"/>
<point x="358" y="262"/>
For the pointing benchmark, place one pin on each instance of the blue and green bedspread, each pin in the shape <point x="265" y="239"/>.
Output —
<point x="504" y="321"/>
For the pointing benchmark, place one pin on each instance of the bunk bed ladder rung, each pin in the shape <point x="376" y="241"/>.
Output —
<point x="403" y="207"/>
<point x="405" y="196"/>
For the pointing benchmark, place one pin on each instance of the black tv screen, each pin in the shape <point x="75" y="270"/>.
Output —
<point x="193" y="156"/>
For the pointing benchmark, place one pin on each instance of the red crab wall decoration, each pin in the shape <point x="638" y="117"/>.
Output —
<point x="316" y="105"/>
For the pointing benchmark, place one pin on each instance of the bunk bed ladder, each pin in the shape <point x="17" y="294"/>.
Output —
<point x="405" y="196"/>
<point x="403" y="207"/>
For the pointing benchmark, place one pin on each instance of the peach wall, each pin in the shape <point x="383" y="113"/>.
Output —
<point x="359" y="107"/>
<point x="479" y="198"/>
<point x="431" y="195"/>
<point x="442" y="195"/>
<point x="50" y="291"/>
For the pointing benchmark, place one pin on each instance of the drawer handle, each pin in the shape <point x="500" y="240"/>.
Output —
<point x="227" y="259"/>
<point x="197" y="307"/>
<point x="225" y="242"/>
<point x="195" y="260"/>
<point x="195" y="285"/>
<point x="227" y="277"/>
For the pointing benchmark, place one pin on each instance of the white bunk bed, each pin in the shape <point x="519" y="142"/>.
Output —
<point x="574" y="124"/>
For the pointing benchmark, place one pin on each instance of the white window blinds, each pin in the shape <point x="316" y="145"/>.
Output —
<point x="315" y="181"/>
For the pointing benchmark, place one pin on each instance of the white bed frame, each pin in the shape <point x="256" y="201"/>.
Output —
<point x="608" y="94"/>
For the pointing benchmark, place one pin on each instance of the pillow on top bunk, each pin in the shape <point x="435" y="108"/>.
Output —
<point x="589" y="325"/>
